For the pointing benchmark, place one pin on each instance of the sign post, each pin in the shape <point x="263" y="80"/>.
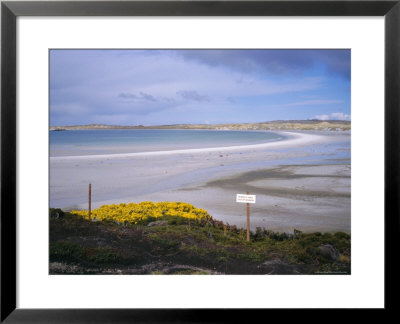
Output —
<point x="90" y="200"/>
<point x="248" y="221"/>
<point x="247" y="199"/>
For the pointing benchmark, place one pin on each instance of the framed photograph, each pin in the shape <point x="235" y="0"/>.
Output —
<point x="161" y="158"/>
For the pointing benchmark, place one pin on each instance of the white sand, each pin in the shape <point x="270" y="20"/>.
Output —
<point x="293" y="139"/>
<point x="309" y="198"/>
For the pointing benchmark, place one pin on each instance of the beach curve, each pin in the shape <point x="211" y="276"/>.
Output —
<point x="291" y="139"/>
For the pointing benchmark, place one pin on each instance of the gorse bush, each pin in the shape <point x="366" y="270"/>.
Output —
<point x="138" y="213"/>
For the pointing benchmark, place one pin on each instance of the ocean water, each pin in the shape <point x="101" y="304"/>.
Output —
<point x="92" y="142"/>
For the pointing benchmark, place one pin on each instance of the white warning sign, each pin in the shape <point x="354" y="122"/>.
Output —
<point x="240" y="198"/>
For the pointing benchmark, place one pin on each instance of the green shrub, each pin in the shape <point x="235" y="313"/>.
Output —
<point x="66" y="251"/>
<point x="342" y="235"/>
<point x="102" y="255"/>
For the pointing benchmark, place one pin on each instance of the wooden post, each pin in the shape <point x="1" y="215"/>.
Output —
<point x="90" y="200"/>
<point x="248" y="221"/>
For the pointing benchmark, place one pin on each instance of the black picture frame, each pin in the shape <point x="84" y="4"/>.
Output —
<point x="10" y="10"/>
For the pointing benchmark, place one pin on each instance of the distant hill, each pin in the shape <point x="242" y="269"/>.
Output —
<point x="333" y="125"/>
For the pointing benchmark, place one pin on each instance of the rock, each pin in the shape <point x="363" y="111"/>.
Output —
<point x="157" y="223"/>
<point x="210" y="235"/>
<point x="276" y="266"/>
<point x="273" y="262"/>
<point x="56" y="213"/>
<point x="328" y="251"/>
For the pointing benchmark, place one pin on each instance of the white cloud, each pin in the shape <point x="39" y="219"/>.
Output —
<point x="333" y="116"/>
<point x="314" y="102"/>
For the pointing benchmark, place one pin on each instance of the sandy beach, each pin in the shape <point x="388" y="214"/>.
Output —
<point x="301" y="182"/>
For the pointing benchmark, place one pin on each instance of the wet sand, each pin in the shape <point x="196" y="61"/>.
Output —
<point x="302" y="182"/>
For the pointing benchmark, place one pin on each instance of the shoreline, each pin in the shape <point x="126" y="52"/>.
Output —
<point x="290" y="139"/>
<point x="302" y="182"/>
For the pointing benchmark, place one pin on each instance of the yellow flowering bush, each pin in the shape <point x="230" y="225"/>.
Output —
<point x="134" y="213"/>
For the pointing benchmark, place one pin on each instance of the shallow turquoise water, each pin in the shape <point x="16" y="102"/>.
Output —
<point x="88" y="142"/>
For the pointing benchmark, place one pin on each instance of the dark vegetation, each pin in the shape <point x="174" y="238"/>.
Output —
<point x="173" y="245"/>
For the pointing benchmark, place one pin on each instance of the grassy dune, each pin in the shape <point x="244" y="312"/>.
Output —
<point x="179" y="245"/>
<point x="335" y="125"/>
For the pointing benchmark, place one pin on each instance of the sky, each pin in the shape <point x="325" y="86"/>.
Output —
<point x="163" y="87"/>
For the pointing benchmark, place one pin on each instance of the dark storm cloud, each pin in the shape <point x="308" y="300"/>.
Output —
<point x="274" y="61"/>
